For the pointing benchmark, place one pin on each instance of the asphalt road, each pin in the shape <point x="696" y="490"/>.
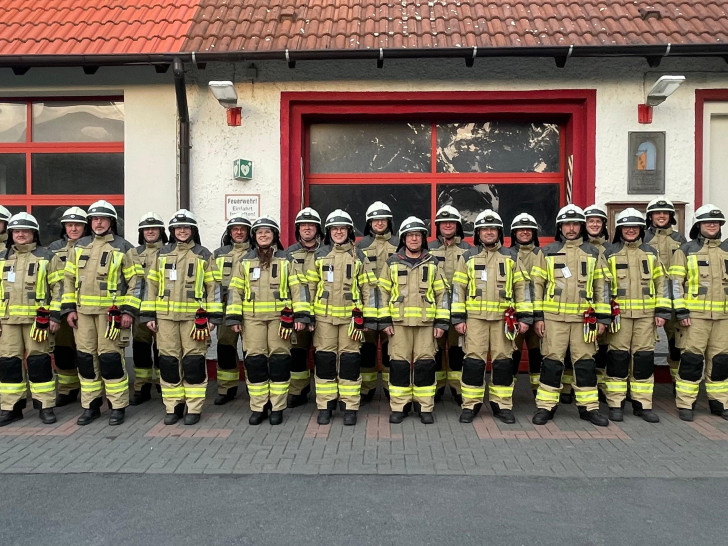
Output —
<point x="100" y="509"/>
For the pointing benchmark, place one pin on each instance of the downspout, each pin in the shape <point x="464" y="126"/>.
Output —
<point x="184" y="133"/>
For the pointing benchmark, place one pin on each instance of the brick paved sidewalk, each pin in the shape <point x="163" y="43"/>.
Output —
<point x="224" y="443"/>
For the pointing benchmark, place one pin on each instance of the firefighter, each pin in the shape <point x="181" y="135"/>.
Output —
<point x="569" y="289"/>
<point x="415" y="312"/>
<point x="4" y="217"/>
<point x="182" y="305"/>
<point x="447" y="248"/>
<point x="265" y="304"/>
<point x="26" y="322"/>
<point x="144" y="345"/>
<point x="379" y="244"/>
<point x="661" y="235"/>
<point x="74" y="225"/>
<point x="699" y="275"/>
<point x="343" y="288"/>
<point x="524" y="239"/>
<point x="101" y="297"/>
<point x="302" y="256"/>
<point x="489" y="287"/>
<point x="235" y="244"/>
<point x="596" y="227"/>
<point x="640" y="303"/>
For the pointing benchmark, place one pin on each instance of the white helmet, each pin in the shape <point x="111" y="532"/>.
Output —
<point x="524" y="221"/>
<point x="308" y="216"/>
<point x="23" y="220"/>
<point x="412" y="224"/>
<point x="102" y="208"/>
<point x="4" y="214"/>
<point x="183" y="217"/>
<point x="448" y="213"/>
<point x="378" y="211"/>
<point x="265" y="222"/>
<point x="488" y="218"/>
<point x="660" y="204"/>
<point x="151" y="219"/>
<point x="239" y="221"/>
<point x="74" y="214"/>
<point x="570" y="213"/>
<point x="339" y="217"/>
<point x="706" y="213"/>
<point x="595" y="210"/>
<point x="630" y="217"/>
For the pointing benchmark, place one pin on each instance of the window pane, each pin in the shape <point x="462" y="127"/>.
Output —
<point x="12" y="122"/>
<point x="101" y="121"/>
<point x="404" y="200"/>
<point x="498" y="146"/>
<point x="370" y="147"/>
<point x="78" y="173"/>
<point x="540" y="200"/>
<point x="12" y="174"/>
<point x="49" y="220"/>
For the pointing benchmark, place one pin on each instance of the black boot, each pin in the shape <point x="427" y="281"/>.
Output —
<point x="142" y="395"/>
<point x="717" y="408"/>
<point x="10" y="416"/>
<point x="477" y="408"/>
<point x="616" y="415"/>
<point x="368" y="397"/>
<point x="65" y="399"/>
<point x="47" y="416"/>
<point x="397" y="417"/>
<point x="457" y="397"/>
<point x="192" y="419"/>
<point x="438" y="394"/>
<point x="467" y="416"/>
<point x="176" y="415"/>
<point x="350" y="418"/>
<point x="407" y="408"/>
<point x="88" y="416"/>
<point x="541" y="417"/>
<point x="506" y="416"/>
<point x="593" y="416"/>
<point x="566" y="397"/>
<point x="276" y="417"/>
<point x="295" y="400"/>
<point x="324" y="417"/>
<point x="426" y="417"/>
<point x="649" y="416"/>
<point x="685" y="414"/>
<point x="117" y="416"/>
<point x="222" y="399"/>
<point x="257" y="417"/>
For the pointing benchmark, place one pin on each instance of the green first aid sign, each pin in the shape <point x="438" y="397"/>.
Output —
<point x="242" y="169"/>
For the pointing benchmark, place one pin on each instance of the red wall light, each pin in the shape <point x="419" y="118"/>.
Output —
<point x="644" y="113"/>
<point x="234" y="116"/>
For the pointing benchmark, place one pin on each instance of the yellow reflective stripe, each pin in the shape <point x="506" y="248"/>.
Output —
<point x="41" y="280"/>
<point x="228" y="375"/>
<point x="615" y="386"/>
<point x="502" y="391"/>
<point x="89" y="385"/>
<point x="279" y="388"/>
<point x="718" y="386"/>
<point x="454" y="375"/>
<point x="119" y="386"/>
<point x="537" y="271"/>
<point x="509" y="280"/>
<point x="162" y="278"/>
<point x="67" y="379"/>
<point x="200" y="280"/>
<point x="302" y="375"/>
<point x="471" y="278"/>
<point x="365" y="376"/>
<point x="586" y="397"/>
<point x="440" y="375"/>
<point x="646" y="388"/>
<point x="113" y="275"/>
<point x="590" y="266"/>
<point x="349" y="390"/>
<point x="12" y="388"/>
<point x="355" y="294"/>
<point x="194" y="392"/>
<point x="534" y="378"/>
<point x="283" y="288"/>
<point x="486" y="306"/>
<point x="173" y="392"/>
<point x="693" y="275"/>
<point x="394" y="294"/>
<point x="2" y="285"/>
<point x="394" y="390"/>
<point x="687" y="388"/>
<point x="40" y="388"/>
<point x="142" y="373"/>
<point x="547" y="396"/>
<point x="219" y="263"/>
<point x="258" y="389"/>
<point x="385" y="377"/>
<point x="567" y="378"/>
<point x="327" y="388"/>
<point x="424" y="391"/>
<point x="472" y="392"/>
<point x="460" y="277"/>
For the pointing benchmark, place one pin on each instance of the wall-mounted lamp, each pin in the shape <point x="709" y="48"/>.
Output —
<point x="224" y="92"/>
<point x="663" y="88"/>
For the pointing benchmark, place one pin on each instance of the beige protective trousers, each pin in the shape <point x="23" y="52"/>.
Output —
<point x="64" y="356"/>
<point x="704" y="357"/>
<point x="228" y="370"/>
<point x="16" y="345"/>
<point x="267" y="364"/>
<point x="338" y="366"/>
<point x="631" y="357"/>
<point x="412" y="367"/>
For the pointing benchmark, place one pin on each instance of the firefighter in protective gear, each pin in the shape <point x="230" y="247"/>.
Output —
<point x="144" y="345"/>
<point x="596" y="227"/>
<point x="235" y="244"/>
<point x="640" y="301"/>
<point x="74" y="225"/>
<point x="447" y="248"/>
<point x="415" y="310"/>
<point x="26" y="322"/>
<point x="309" y="235"/>
<point x="4" y="217"/>
<point x="488" y="286"/>
<point x="265" y="303"/>
<point x="699" y="275"/>
<point x="524" y="240"/>
<point x="182" y="305"/>
<point x="343" y="288"/>
<point x="662" y="235"/>
<point x="101" y="297"/>
<point x="379" y="244"/>
<point x="570" y="309"/>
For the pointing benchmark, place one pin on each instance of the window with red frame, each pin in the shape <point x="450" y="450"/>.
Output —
<point x="511" y="164"/>
<point x="58" y="153"/>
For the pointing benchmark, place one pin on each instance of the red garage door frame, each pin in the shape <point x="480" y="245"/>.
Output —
<point x="578" y="106"/>
<point x="701" y="97"/>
